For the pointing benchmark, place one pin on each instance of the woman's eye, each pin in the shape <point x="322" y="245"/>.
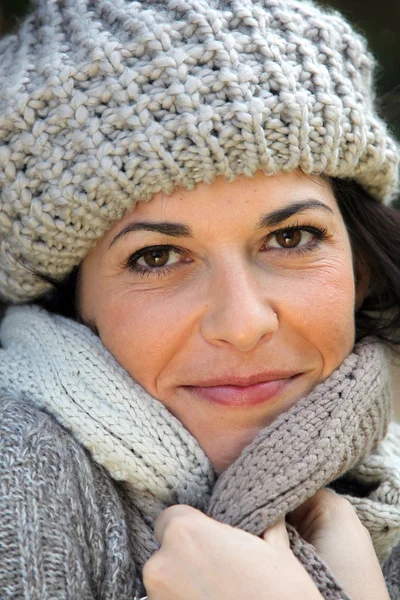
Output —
<point x="290" y="238"/>
<point x="153" y="258"/>
<point x="158" y="257"/>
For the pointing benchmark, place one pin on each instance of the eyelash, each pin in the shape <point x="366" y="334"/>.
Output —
<point x="320" y="233"/>
<point x="130" y="264"/>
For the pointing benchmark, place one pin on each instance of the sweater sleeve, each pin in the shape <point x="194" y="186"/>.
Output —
<point x="391" y="571"/>
<point x="63" y="533"/>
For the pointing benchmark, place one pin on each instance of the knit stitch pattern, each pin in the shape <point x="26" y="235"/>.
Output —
<point x="148" y="448"/>
<point x="341" y="426"/>
<point x="104" y="103"/>
<point x="63" y="531"/>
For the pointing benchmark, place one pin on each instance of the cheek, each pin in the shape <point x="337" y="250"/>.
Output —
<point x="323" y="308"/>
<point x="143" y="331"/>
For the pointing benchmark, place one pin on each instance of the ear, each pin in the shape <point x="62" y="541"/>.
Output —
<point x="362" y="280"/>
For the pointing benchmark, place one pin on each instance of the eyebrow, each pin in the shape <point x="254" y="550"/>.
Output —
<point x="171" y="229"/>
<point x="281" y="214"/>
<point x="179" y="230"/>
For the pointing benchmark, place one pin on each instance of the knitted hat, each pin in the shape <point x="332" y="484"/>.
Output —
<point x="106" y="102"/>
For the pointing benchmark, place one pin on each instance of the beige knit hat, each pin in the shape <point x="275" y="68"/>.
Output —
<point x="106" y="102"/>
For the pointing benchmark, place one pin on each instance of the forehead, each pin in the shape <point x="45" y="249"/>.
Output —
<point x="226" y="204"/>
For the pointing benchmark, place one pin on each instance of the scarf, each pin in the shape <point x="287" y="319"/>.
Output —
<point x="340" y="428"/>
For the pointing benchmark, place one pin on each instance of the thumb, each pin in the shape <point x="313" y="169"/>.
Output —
<point x="277" y="535"/>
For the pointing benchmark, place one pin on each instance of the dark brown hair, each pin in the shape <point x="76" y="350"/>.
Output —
<point x="374" y="231"/>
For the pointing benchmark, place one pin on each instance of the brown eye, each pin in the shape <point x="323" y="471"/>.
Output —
<point x="153" y="258"/>
<point x="290" y="238"/>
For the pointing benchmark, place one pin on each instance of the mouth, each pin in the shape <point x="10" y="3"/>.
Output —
<point x="243" y="392"/>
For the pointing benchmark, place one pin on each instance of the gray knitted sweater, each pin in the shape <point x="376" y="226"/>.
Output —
<point x="64" y="524"/>
<point x="64" y="532"/>
<point x="71" y="528"/>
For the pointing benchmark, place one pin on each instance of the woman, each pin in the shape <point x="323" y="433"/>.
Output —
<point x="203" y="184"/>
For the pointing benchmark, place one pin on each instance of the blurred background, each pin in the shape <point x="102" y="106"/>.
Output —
<point x="378" y="20"/>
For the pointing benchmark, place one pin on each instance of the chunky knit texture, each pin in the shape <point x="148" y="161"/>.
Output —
<point x="62" y="367"/>
<point x="71" y="533"/>
<point x="104" y="103"/>
<point x="63" y="529"/>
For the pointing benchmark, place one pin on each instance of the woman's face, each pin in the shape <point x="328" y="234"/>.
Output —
<point x="227" y="303"/>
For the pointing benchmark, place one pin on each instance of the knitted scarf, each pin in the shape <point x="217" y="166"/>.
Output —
<point x="61" y="366"/>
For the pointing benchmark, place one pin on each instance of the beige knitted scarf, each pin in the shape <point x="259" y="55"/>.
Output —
<point x="340" y="427"/>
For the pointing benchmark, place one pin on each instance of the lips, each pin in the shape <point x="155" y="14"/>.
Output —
<point x="243" y="391"/>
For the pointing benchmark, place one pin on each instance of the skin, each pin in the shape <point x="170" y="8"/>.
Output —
<point x="235" y="302"/>
<point x="200" y="558"/>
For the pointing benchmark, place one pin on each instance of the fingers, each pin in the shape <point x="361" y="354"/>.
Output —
<point x="184" y="519"/>
<point x="304" y="515"/>
<point x="277" y="535"/>
<point x="324" y="516"/>
<point x="175" y="514"/>
<point x="324" y="507"/>
<point x="329" y="522"/>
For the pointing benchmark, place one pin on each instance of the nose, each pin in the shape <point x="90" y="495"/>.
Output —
<point x="239" y="312"/>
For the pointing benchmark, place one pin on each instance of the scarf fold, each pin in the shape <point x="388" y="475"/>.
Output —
<point x="61" y="366"/>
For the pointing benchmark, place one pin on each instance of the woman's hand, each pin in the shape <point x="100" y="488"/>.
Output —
<point x="330" y="524"/>
<point x="200" y="558"/>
